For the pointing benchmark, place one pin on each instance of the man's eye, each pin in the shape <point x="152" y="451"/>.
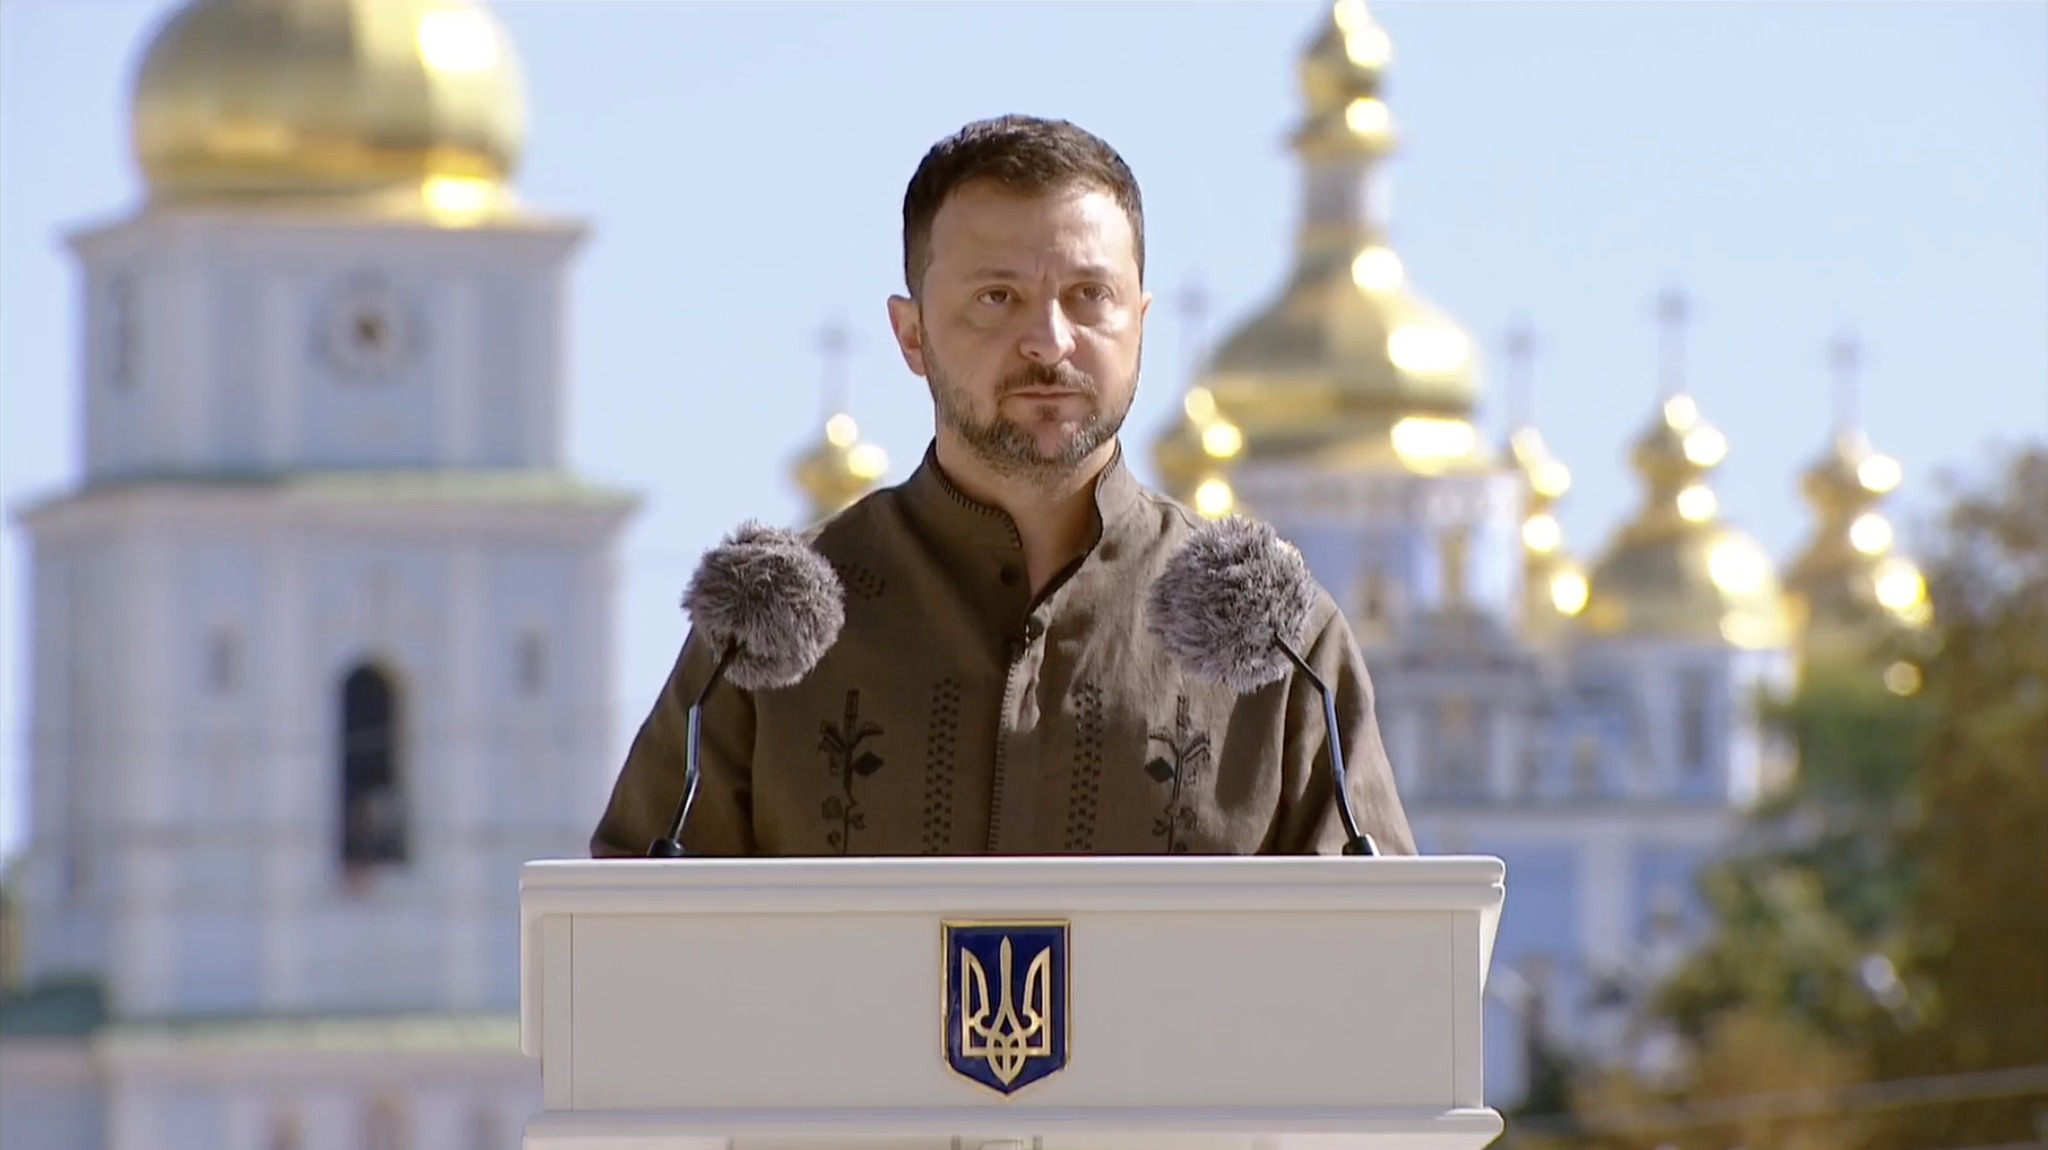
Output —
<point x="1096" y="293"/>
<point x="995" y="296"/>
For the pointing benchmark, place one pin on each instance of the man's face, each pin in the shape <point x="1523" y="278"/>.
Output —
<point x="1029" y="327"/>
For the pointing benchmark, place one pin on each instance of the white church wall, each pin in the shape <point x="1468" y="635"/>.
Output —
<point x="229" y="344"/>
<point x="76" y="721"/>
<point x="1395" y="530"/>
<point x="122" y="393"/>
<point x="186" y="1093"/>
<point x="50" y="1096"/>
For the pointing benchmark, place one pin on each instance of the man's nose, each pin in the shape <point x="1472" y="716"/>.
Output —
<point x="1048" y="337"/>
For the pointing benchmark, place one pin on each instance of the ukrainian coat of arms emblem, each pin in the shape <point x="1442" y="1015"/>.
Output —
<point x="1006" y="1002"/>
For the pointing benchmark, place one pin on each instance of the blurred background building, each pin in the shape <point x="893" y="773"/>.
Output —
<point x="325" y="542"/>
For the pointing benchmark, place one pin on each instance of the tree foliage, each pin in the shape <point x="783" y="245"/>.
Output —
<point x="1877" y="978"/>
<point x="1978" y="923"/>
<point x="1810" y="908"/>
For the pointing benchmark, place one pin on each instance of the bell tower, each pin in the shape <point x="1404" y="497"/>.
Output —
<point x="321" y="641"/>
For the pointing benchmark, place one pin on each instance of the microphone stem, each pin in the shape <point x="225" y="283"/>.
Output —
<point x="672" y="845"/>
<point x="1355" y="841"/>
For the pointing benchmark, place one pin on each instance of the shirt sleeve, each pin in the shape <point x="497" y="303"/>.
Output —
<point x="650" y="784"/>
<point x="1314" y="824"/>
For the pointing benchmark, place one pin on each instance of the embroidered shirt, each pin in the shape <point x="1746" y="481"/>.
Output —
<point x="955" y="715"/>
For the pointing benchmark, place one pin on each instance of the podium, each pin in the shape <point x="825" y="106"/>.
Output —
<point x="1012" y="1004"/>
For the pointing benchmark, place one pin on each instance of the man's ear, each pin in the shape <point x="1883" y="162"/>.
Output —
<point x="908" y="325"/>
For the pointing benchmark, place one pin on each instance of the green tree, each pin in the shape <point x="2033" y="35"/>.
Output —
<point x="1978" y="923"/>
<point x="1877" y="978"/>
<point x="1809" y="911"/>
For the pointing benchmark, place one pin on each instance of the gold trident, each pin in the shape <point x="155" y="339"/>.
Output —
<point x="1008" y="1042"/>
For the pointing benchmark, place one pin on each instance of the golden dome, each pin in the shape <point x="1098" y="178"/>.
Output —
<point x="1846" y="586"/>
<point x="1554" y="583"/>
<point x="320" y="99"/>
<point x="1349" y="366"/>
<point x="1193" y="458"/>
<point x="839" y="468"/>
<point x="1677" y="571"/>
<point x="1341" y="74"/>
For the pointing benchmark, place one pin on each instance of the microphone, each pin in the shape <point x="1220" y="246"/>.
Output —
<point x="770" y="606"/>
<point x="1230" y="607"/>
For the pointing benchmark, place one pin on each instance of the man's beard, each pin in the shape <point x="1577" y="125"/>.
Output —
<point x="1009" y="448"/>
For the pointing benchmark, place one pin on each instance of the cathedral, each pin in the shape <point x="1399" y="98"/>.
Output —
<point x="1593" y="723"/>
<point x="318" y="649"/>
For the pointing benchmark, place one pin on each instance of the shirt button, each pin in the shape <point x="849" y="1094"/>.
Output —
<point x="1010" y="575"/>
<point x="1033" y="628"/>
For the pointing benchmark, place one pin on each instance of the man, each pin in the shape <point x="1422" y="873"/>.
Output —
<point x="995" y="689"/>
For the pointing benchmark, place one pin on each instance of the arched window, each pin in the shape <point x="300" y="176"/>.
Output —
<point x="373" y="830"/>
<point x="384" y="1125"/>
<point x="285" y="1133"/>
<point x="532" y="663"/>
<point x="1695" y="700"/>
<point x="1372" y="598"/>
<point x="1586" y="764"/>
<point x="486" y="1132"/>
<point x="1461" y="748"/>
<point x="1454" y="554"/>
<point x="224" y="660"/>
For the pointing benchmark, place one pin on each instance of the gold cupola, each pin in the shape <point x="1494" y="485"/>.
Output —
<point x="1193" y="456"/>
<point x="1348" y="365"/>
<point x="1553" y="582"/>
<point x="413" y="104"/>
<point x="840" y="467"/>
<point x="1677" y="571"/>
<point x="1846" y="587"/>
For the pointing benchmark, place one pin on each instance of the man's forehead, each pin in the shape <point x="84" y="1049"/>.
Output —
<point x="990" y="228"/>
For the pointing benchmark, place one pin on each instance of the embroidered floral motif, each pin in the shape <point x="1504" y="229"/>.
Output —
<point x="846" y="761"/>
<point x="860" y="582"/>
<point x="1083" y="803"/>
<point x="1185" y="759"/>
<point x="938" y="766"/>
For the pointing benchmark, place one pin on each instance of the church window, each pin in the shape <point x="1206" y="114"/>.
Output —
<point x="532" y="663"/>
<point x="384" y="1125"/>
<point x="80" y="838"/>
<point x="1455" y="555"/>
<point x="486" y="1132"/>
<point x="1373" y="597"/>
<point x="1586" y="764"/>
<point x="1694" y="698"/>
<point x="224" y="661"/>
<point x="120" y="347"/>
<point x="373" y="831"/>
<point x="1460" y="759"/>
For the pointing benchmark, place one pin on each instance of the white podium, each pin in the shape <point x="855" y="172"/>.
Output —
<point x="1036" y="1004"/>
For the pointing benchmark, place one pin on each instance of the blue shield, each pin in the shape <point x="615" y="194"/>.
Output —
<point x="1006" y="1002"/>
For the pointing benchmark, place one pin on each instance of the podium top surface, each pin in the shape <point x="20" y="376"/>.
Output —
<point x="995" y="884"/>
<point x="733" y="993"/>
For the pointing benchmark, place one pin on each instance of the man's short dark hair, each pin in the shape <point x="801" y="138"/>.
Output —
<point x="1026" y="155"/>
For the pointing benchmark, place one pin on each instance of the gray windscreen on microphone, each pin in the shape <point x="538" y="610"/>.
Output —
<point x="1233" y="589"/>
<point x="769" y="598"/>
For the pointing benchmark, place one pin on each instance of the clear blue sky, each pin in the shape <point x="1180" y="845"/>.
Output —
<point x="1796" y="166"/>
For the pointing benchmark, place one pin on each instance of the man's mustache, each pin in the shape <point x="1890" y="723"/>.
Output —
<point x="1039" y="377"/>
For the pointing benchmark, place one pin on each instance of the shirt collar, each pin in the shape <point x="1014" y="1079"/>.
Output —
<point x="931" y="496"/>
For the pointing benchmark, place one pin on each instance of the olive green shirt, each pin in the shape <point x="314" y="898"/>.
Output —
<point x="956" y="715"/>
